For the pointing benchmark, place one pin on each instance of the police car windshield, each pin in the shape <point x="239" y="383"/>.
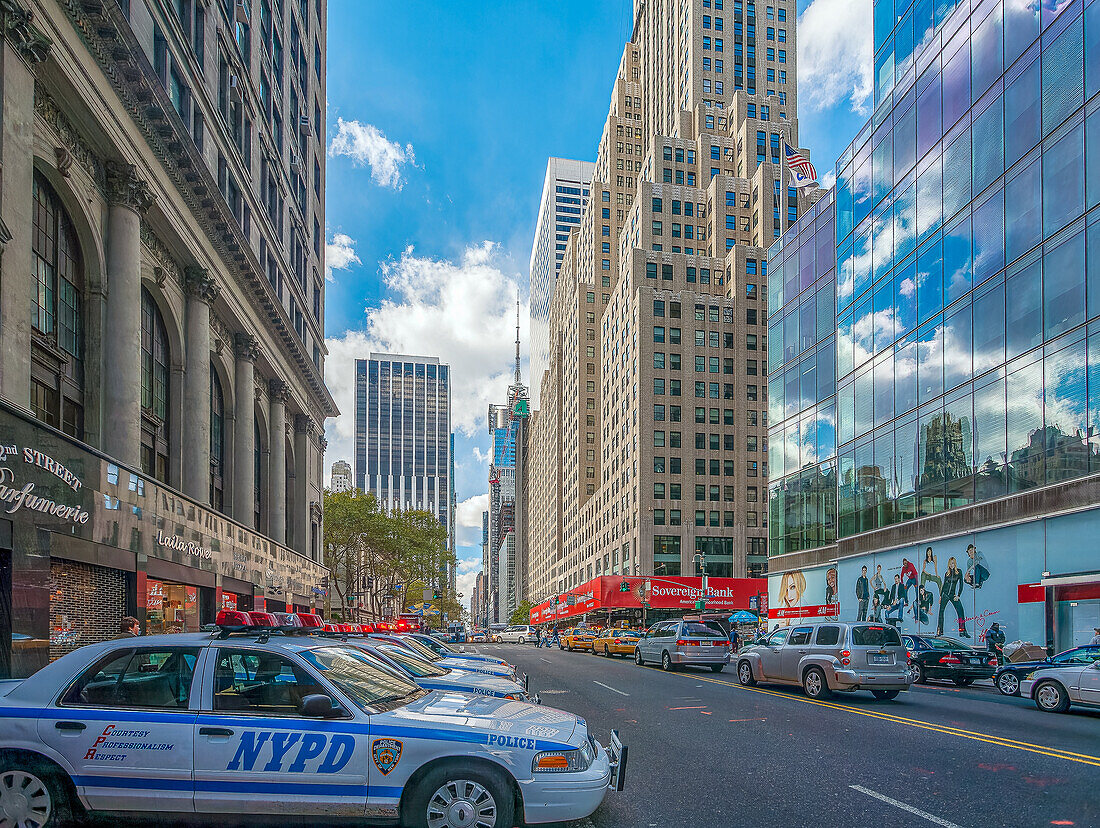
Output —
<point x="359" y="677"/>
<point x="417" y="666"/>
<point x="424" y="651"/>
<point x="438" y="646"/>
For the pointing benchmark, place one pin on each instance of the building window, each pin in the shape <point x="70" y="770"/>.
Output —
<point x="155" y="362"/>
<point x="217" y="441"/>
<point x="57" y="313"/>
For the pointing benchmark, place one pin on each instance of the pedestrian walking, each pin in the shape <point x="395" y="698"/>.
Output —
<point x="1096" y="638"/>
<point x="128" y="628"/>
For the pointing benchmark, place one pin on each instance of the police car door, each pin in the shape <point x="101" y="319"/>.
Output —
<point x="255" y="752"/>
<point x="125" y="726"/>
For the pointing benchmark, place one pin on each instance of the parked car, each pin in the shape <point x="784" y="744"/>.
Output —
<point x="183" y="723"/>
<point x="828" y="656"/>
<point x="1008" y="676"/>
<point x="518" y="634"/>
<point x="676" y="643"/>
<point x="1055" y="689"/>
<point x="478" y="636"/>
<point x="946" y="659"/>
<point x="616" y="641"/>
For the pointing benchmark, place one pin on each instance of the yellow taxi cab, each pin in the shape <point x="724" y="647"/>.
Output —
<point x="578" y="638"/>
<point x="616" y="641"/>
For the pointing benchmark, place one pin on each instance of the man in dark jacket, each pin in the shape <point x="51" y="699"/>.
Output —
<point x="129" y="628"/>
<point x="995" y="641"/>
<point x="863" y="594"/>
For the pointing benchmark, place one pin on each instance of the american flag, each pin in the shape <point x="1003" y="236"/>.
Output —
<point x="802" y="171"/>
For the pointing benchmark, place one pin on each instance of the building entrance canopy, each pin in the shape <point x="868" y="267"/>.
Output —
<point x="608" y="592"/>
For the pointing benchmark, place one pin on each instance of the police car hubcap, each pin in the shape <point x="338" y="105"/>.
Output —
<point x="462" y="804"/>
<point x="24" y="800"/>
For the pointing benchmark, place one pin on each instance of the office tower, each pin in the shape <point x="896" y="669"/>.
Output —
<point x="341" y="476"/>
<point x="948" y="441"/>
<point x="649" y="446"/>
<point x="161" y="306"/>
<point x="403" y="433"/>
<point x="564" y="197"/>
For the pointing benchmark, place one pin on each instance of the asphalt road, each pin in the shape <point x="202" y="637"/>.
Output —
<point x="706" y="752"/>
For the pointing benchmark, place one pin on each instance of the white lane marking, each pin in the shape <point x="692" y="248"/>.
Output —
<point x="548" y="661"/>
<point x="609" y="687"/>
<point x="915" y="811"/>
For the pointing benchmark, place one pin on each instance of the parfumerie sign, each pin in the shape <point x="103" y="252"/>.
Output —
<point x="13" y="497"/>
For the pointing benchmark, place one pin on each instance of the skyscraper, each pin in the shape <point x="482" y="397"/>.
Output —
<point x="648" y="448"/>
<point x="341" y="476"/>
<point x="934" y="325"/>
<point x="564" y="197"/>
<point x="403" y="433"/>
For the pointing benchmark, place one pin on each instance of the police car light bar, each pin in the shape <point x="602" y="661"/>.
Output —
<point x="311" y="622"/>
<point x="263" y="620"/>
<point x="288" y="622"/>
<point x="232" y="621"/>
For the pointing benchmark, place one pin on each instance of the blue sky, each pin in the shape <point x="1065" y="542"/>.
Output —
<point x="441" y="116"/>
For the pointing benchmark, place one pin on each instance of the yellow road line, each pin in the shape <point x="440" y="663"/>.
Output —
<point x="1044" y="750"/>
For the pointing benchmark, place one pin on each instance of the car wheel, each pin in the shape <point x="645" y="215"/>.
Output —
<point x="1051" y="697"/>
<point x="666" y="663"/>
<point x="744" y="674"/>
<point x="916" y="674"/>
<point x="33" y="795"/>
<point x="886" y="695"/>
<point x="454" y="797"/>
<point x="815" y="684"/>
<point x="1008" y="684"/>
<point x="962" y="682"/>
<point x="522" y="640"/>
<point x="717" y="668"/>
<point x="638" y="657"/>
<point x="606" y="651"/>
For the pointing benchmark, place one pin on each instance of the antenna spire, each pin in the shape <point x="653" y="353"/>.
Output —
<point x="518" y="379"/>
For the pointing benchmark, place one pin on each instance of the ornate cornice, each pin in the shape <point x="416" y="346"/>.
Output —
<point x="198" y="282"/>
<point x="278" y="391"/>
<point x="245" y="346"/>
<point x="18" y="29"/>
<point x="124" y="187"/>
<point x="67" y="137"/>
<point x="161" y="255"/>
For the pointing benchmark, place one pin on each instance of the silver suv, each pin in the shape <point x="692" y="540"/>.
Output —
<point x="827" y="656"/>
<point x="518" y="634"/>
<point x="676" y="643"/>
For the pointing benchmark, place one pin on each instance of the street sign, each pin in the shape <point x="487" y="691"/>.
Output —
<point x="429" y="593"/>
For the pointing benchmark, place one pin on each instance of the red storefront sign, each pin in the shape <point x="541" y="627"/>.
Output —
<point x="815" y="611"/>
<point x="676" y="592"/>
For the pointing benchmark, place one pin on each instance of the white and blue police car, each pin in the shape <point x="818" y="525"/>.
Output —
<point x="250" y="721"/>
<point x="433" y="677"/>
<point x="462" y="661"/>
<point x="445" y="650"/>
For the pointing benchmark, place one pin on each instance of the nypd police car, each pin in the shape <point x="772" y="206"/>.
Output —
<point x="262" y="724"/>
<point x="460" y="661"/>
<point x="446" y="651"/>
<point x="432" y="677"/>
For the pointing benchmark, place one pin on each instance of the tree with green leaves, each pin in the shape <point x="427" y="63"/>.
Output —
<point x="522" y="613"/>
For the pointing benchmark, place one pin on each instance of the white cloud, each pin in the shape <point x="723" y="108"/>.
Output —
<point x="835" y="60"/>
<point x="340" y="254"/>
<point x="468" y="520"/>
<point x="462" y="312"/>
<point x="367" y="146"/>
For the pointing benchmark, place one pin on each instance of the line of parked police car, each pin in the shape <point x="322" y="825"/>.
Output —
<point x="281" y="713"/>
<point x="827" y="657"/>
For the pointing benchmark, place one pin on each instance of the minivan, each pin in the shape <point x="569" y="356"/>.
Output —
<point x="519" y="634"/>
<point x="827" y="656"/>
<point x="678" y="643"/>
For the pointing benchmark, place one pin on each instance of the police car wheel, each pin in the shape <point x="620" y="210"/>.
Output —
<point x="454" y="797"/>
<point x="31" y="795"/>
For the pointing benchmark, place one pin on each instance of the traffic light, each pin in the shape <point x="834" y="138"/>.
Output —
<point x="624" y="586"/>
<point x="435" y="595"/>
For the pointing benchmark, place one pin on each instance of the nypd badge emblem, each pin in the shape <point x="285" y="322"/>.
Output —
<point x="387" y="753"/>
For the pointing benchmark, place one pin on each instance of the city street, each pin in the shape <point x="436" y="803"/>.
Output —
<point x="705" y="751"/>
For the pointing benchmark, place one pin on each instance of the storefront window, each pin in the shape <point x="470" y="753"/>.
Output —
<point x="171" y="608"/>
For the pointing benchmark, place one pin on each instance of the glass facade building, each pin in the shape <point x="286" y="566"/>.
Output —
<point x="935" y="319"/>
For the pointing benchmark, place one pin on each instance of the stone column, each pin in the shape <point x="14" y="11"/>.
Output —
<point x="246" y="349"/>
<point x="201" y="290"/>
<point x="277" y="394"/>
<point x="22" y="47"/>
<point x="129" y="198"/>
<point x="304" y="432"/>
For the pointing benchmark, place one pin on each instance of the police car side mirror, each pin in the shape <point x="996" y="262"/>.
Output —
<point x="319" y="706"/>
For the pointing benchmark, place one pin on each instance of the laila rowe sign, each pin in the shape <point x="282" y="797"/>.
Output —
<point x="15" y="496"/>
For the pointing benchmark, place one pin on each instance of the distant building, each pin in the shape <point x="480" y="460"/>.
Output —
<point x="564" y="196"/>
<point x="341" y="476"/>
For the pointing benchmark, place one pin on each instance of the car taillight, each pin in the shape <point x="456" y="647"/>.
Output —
<point x="993" y="662"/>
<point x="949" y="659"/>
<point x="908" y="654"/>
<point x="720" y="643"/>
<point x="617" y="641"/>
<point x="846" y="657"/>
<point x="683" y="642"/>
